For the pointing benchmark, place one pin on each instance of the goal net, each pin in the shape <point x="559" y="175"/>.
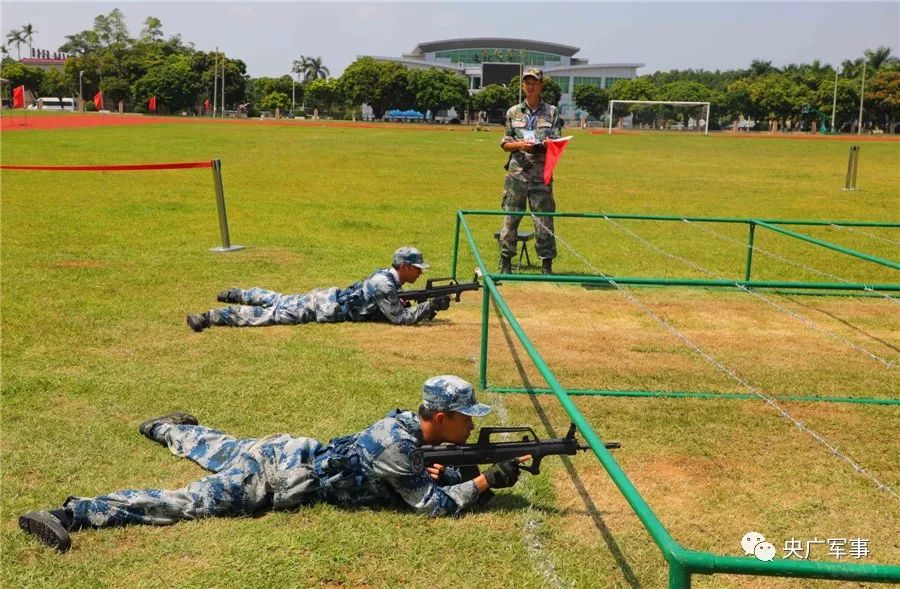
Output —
<point x="659" y="114"/>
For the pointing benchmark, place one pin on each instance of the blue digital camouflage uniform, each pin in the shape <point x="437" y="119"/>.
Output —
<point x="525" y="177"/>
<point x="373" y="299"/>
<point x="374" y="468"/>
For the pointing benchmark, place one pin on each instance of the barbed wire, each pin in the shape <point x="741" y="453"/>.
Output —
<point x="800" y="317"/>
<point x="866" y="233"/>
<point x="756" y="248"/>
<point x="835" y="451"/>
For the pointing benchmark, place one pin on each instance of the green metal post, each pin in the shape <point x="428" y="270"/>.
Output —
<point x="482" y="367"/>
<point x="679" y="576"/>
<point x="455" y="247"/>
<point x="750" y="250"/>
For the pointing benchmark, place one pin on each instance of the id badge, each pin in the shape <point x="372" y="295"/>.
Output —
<point x="528" y="136"/>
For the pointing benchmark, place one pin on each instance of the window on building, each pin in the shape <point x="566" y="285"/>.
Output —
<point x="476" y="82"/>
<point x="498" y="55"/>
<point x="588" y="81"/>
<point x="563" y="82"/>
<point x="608" y="82"/>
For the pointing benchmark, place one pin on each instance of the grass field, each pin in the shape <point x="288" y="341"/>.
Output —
<point x="99" y="270"/>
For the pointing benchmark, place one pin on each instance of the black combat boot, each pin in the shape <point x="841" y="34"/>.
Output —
<point x="175" y="418"/>
<point x="505" y="265"/>
<point x="198" y="322"/>
<point x="232" y="295"/>
<point x="47" y="528"/>
<point x="547" y="266"/>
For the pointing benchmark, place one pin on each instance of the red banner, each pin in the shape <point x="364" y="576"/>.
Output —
<point x="151" y="105"/>
<point x="98" y="100"/>
<point x="206" y="105"/>
<point x="19" y="97"/>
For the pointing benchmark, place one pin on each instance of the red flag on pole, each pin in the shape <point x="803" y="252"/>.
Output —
<point x="19" y="97"/>
<point x="98" y="100"/>
<point x="151" y="105"/>
<point x="206" y="105"/>
<point x="555" y="149"/>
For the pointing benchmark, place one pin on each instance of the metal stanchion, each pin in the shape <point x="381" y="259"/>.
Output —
<point x="852" y="163"/>
<point x="220" y="204"/>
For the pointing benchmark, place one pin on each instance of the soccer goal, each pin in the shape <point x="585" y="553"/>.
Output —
<point x="659" y="114"/>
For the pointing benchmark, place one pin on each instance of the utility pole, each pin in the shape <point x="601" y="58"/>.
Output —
<point x="834" y="102"/>
<point x="862" y="93"/>
<point x="80" y="92"/>
<point x="215" y="81"/>
<point x="223" y="84"/>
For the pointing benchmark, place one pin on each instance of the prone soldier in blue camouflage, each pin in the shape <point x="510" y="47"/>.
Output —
<point x="528" y="125"/>
<point x="377" y="467"/>
<point x="372" y="299"/>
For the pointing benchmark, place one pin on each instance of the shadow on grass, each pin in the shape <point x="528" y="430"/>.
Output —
<point x="583" y="493"/>
<point x="845" y="322"/>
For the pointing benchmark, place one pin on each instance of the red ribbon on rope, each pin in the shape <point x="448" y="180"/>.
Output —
<point x="117" y="168"/>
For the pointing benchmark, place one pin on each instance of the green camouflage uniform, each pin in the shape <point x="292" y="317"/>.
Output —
<point x="525" y="177"/>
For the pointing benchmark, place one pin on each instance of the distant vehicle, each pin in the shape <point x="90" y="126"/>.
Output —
<point x="49" y="103"/>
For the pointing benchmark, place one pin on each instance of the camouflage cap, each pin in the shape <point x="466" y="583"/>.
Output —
<point x="535" y="73"/>
<point x="409" y="255"/>
<point x="451" y="393"/>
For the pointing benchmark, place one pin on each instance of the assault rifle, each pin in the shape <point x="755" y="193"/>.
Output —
<point x="452" y="288"/>
<point x="469" y="456"/>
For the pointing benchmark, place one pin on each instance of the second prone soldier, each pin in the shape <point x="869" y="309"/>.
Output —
<point x="373" y="299"/>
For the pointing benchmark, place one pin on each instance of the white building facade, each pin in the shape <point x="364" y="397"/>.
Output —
<point x="486" y="60"/>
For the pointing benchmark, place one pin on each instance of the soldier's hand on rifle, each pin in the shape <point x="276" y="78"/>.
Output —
<point x="435" y="471"/>
<point x="405" y="304"/>
<point x="503" y="474"/>
<point x="442" y="303"/>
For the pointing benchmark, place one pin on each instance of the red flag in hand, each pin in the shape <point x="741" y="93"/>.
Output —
<point x="98" y="100"/>
<point x="555" y="149"/>
<point x="151" y="105"/>
<point x="206" y="105"/>
<point x="19" y="97"/>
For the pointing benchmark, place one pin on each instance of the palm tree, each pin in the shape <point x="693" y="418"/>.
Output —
<point x="14" y="37"/>
<point x="311" y="68"/>
<point x="28" y="33"/>
<point x="759" y="67"/>
<point x="876" y="58"/>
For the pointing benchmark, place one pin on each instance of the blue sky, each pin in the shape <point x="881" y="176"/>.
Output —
<point x="670" y="35"/>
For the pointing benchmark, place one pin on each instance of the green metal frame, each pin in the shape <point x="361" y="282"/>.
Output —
<point x="683" y="562"/>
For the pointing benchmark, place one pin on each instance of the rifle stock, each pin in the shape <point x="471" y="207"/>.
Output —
<point x="469" y="456"/>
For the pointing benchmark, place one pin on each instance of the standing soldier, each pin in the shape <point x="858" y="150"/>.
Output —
<point x="372" y="299"/>
<point x="528" y="125"/>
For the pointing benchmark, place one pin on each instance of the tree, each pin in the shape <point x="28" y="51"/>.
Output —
<point x="54" y="83"/>
<point x="437" y="89"/>
<point x="847" y="106"/>
<point x="360" y="80"/>
<point x="883" y="97"/>
<point x="310" y="68"/>
<point x="494" y="98"/>
<point x="152" y="31"/>
<point x="28" y="34"/>
<point x="592" y="99"/>
<point x="759" y="67"/>
<point x="275" y="100"/>
<point x="876" y="58"/>
<point x="173" y="83"/>
<point x="15" y="37"/>
<point x="19" y="74"/>
<point x="322" y="94"/>
<point x="381" y="85"/>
